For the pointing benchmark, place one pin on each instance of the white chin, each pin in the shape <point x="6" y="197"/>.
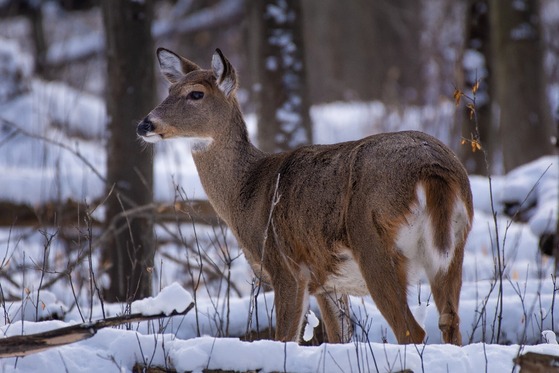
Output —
<point x="152" y="137"/>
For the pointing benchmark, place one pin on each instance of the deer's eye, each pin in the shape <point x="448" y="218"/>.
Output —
<point x="195" y="95"/>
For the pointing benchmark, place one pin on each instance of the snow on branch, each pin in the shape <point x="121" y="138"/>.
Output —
<point x="223" y="13"/>
<point x="172" y="301"/>
<point x="82" y="47"/>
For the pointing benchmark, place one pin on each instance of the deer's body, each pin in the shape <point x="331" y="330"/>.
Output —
<point x="353" y="218"/>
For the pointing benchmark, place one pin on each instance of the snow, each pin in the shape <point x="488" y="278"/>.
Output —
<point x="171" y="299"/>
<point x="268" y="356"/>
<point x="42" y="305"/>
<point x="191" y="342"/>
<point x="549" y="337"/>
<point x="546" y="192"/>
<point x="535" y="183"/>
<point x="14" y="68"/>
<point x="56" y="113"/>
<point x="121" y="349"/>
<point x="75" y="48"/>
<point x="279" y="12"/>
<point x="312" y="322"/>
<point x="344" y="121"/>
<point x="49" y="129"/>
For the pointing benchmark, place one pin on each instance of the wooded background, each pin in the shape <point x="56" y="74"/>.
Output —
<point x="291" y="55"/>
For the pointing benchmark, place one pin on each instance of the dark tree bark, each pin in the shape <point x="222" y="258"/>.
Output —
<point x="556" y="236"/>
<point x="478" y="40"/>
<point x="36" y="17"/>
<point x="33" y="11"/>
<point x="281" y="93"/>
<point x="365" y="50"/>
<point x="397" y="51"/>
<point x="130" y="95"/>
<point x="522" y="109"/>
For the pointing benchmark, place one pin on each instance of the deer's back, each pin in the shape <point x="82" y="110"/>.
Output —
<point x="381" y="171"/>
<point x="320" y="187"/>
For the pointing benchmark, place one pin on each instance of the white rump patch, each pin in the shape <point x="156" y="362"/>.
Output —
<point x="415" y="240"/>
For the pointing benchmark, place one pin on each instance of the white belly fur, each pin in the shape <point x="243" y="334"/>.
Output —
<point x="349" y="279"/>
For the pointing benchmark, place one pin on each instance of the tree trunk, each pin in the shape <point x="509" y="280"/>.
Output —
<point x="130" y="95"/>
<point x="521" y="107"/>
<point x="34" y="12"/>
<point x="365" y="50"/>
<point x="478" y="41"/>
<point x="281" y="92"/>
<point x="397" y="51"/>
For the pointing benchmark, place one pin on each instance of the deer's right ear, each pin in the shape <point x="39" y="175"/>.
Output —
<point x="173" y="66"/>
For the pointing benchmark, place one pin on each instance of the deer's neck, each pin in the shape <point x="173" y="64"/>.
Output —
<point x="224" y="167"/>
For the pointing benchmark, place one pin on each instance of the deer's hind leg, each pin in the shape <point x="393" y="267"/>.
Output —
<point x="446" y="286"/>
<point x="446" y="281"/>
<point x="384" y="270"/>
<point x="334" y="309"/>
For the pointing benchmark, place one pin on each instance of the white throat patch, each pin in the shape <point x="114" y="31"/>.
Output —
<point x="200" y="144"/>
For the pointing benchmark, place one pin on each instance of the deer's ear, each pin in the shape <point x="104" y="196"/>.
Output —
<point x="173" y="66"/>
<point x="224" y="73"/>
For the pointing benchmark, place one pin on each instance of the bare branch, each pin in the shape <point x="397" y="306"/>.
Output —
<point x="22" y="345"/>
<point x="81" y="47"/>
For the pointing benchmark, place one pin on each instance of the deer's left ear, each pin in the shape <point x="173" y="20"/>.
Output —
<point x="224" y="73"/>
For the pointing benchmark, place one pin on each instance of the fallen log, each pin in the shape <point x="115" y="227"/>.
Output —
<point x="532" y="362"/>
<point x="22" y="345"/>
<point x="72" y="213"/>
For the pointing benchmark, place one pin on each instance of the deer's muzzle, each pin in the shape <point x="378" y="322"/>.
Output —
<point x="146" y="130"/>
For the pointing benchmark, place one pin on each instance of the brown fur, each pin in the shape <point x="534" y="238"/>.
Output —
<point x="333" y="205"/>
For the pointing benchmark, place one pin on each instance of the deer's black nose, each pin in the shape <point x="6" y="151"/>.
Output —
<point x="144" y="127"/>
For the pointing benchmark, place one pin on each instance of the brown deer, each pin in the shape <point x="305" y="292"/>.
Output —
<point x="354" y="218"/>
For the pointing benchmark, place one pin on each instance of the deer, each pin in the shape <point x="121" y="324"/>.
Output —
<point x="356" y="218"/>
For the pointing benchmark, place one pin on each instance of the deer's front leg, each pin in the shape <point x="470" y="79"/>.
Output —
<point x="291" y="301"/>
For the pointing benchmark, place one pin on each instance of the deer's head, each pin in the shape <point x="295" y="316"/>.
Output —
<point x="199" y="100"/>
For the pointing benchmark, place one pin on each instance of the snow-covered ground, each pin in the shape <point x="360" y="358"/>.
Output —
<point x="51" y="149"/>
